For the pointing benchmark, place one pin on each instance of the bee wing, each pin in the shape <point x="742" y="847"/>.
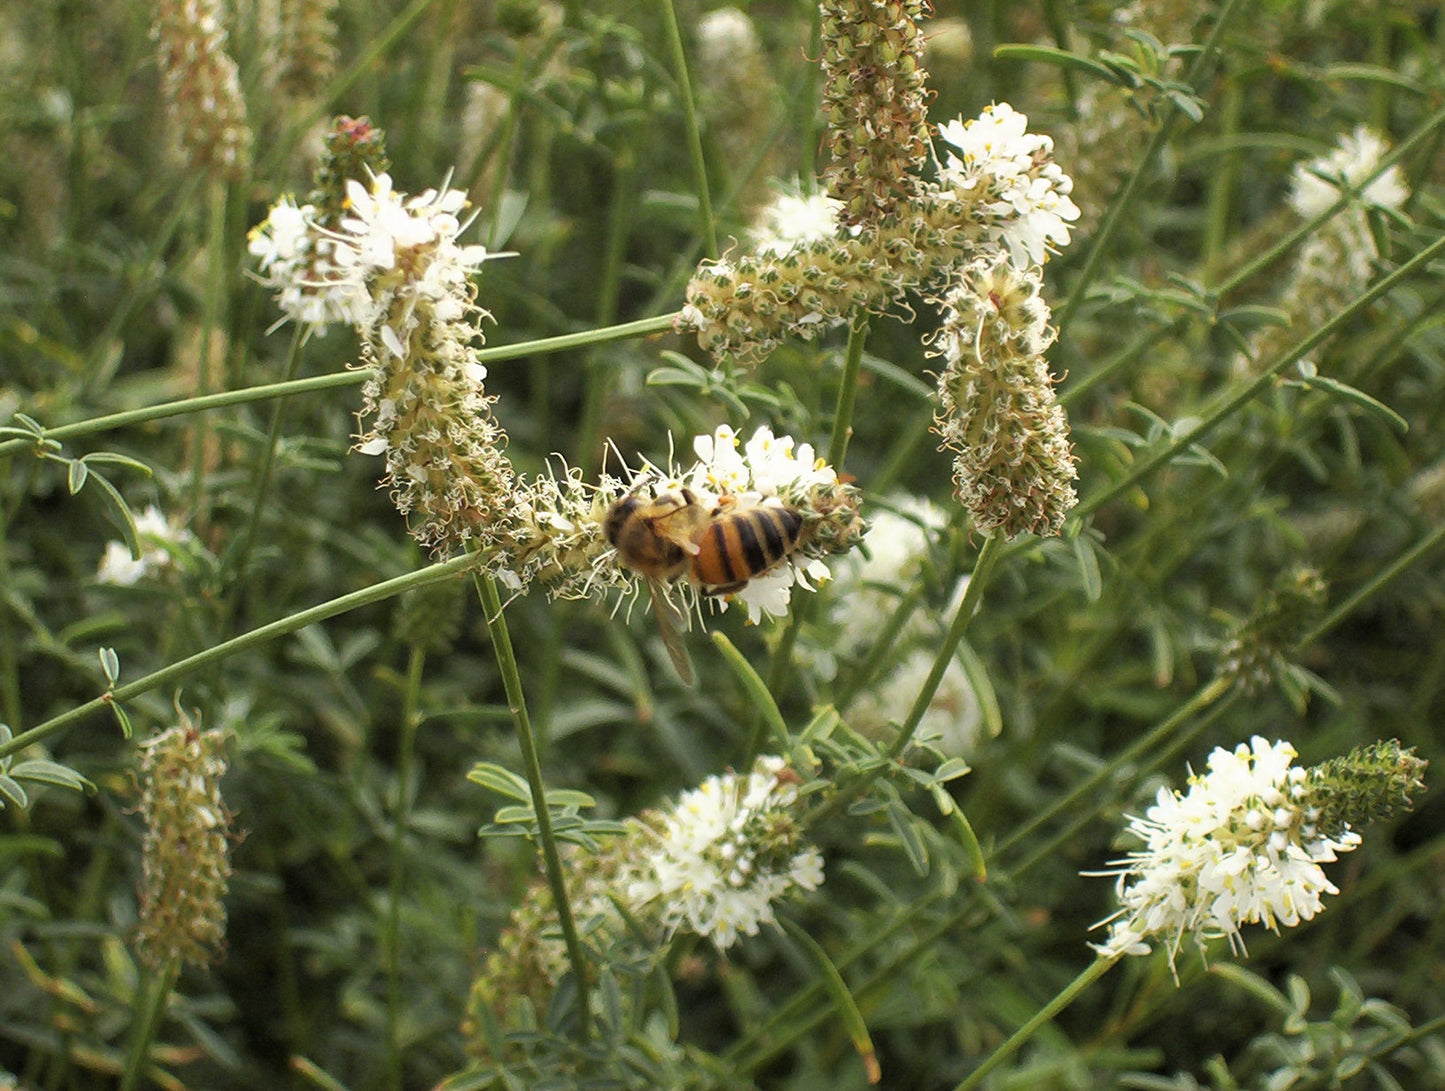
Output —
<point x="679" y="527"/>
<point x="669" y="624"/>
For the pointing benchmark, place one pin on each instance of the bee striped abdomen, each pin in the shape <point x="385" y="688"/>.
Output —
<point x="738" y="545"/>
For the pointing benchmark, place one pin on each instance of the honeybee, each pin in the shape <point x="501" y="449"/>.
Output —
<point x="673" y="535"/>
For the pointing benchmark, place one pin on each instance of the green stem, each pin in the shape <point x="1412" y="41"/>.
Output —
<point x="1246" y="394"/>
<point x="1125" y="200"/>
<point x="1422" y="133"/>
<point x="622" y="331"/>
<point x="848" y="391"/>
<point x="213" y="309"/>
<point x="1401" y="564"/>
<point x="837" y="451"/>
<point x="982" y="571"/>
<point x="263" y="472"/>
<point x="526" y="739"/>
<point x="1142" y="747"/>
<point x="1046" y="1014"/>
<point x="708" y="229"/>
<point x="151" y="997"/>
<point x="406" y="747"/>
<point x="365" y="597"/>
<point x="11" y="708"/>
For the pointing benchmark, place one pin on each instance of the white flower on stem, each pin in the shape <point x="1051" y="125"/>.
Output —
<point x="1319" y="183"/>
<point x="160" y="540"/>
<point x="793" y="219"/>
<point x="995" y="160"/>
<point x="1243" y="845"/>
<point x="295" y="260"/>
<point x="724" y="854"/>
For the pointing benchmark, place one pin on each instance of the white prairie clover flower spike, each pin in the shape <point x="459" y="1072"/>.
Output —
<point x="1246" y="842"/>
<point x="1013" y="467"/>
<point x="1319" y="183"/>
<point x="296" y="243"/>
<point x="1009" y="177"/>
<point x="425" y="407"/>
<point x="725" y="854"/>
<point x="998" y="190"/>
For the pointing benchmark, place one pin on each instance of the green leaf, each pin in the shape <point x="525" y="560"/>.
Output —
<point x="844" y="1005"/>
<point x="1060" y="58"/>
<point x="75" y="478"/>
<point x="127" y="520"/>
<point x="111" y="458"/>
<point x="902" y="821"/>
<point x="1358" y="397"/>
<point x="502" y="781"/>
<point x="11" y="790"/>
<point x="40" y="771"/>
<point x="1088" y="563"/>
<point x="109" y="665"/>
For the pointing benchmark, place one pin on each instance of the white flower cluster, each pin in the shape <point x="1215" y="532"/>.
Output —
<point x="767" y="469"/>
<point x="387" y="249"/>
<point x="725" y="854"/>
<point x="1242" y="846"/>
<point x="998" y="162"/>
<point x="296" y="262"/>
<point x="160" y="541"/>
<point x="792" y="220"/>
<point x="1317" y="184"/>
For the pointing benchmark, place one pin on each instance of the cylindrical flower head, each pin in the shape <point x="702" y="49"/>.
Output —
<point x="1013" y="467"/>
<point x="186" y="851"/>
<point x="1257" y="646"/>
<point x="998" y="187"/>
<point x="426" y="407"/>
<point x="201" y="86"/>
<point x="296" y="245"/>
<point x="873" y="103"/>
<point x="724" y="854"/>
<point x="307" y="47"/>
<point x="1244" y="845"/>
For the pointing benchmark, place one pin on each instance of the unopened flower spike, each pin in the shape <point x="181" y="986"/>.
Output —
<point x="202" y="86"/>
<point x="1246" y="843"/>
<point x="187" y="845"/>
<point x="1258" y="647"/>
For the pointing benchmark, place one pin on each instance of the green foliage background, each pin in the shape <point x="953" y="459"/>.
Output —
<point x="123" y="285"/>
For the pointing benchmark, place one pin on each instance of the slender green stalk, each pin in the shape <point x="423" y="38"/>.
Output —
<point x="837" y="450"/>
<point x="10" y="703"/>
<point x="406" y="748"/>
<point x="151" y="996"/>
<point x="526" y="739"/>
<point x="1423" y="132"/>
<point x="1141" y="748"/>
<point x="263" y="471"/>
<point x="1118" y="362"/>
<point x="988" y="556"/>
<point x="214" y="309"/>
<point x="1124" y="202"/>
<point x="706" y="227"/>
<point x="982" y="571"/>
<point x="1046" y="1014"/>
<point x="621" y="332"/>
<point x="1231" y="405"/>
<point x="256" y="637"/>
<point x="1388" y="574"/>
<point x="848" y="391"/>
